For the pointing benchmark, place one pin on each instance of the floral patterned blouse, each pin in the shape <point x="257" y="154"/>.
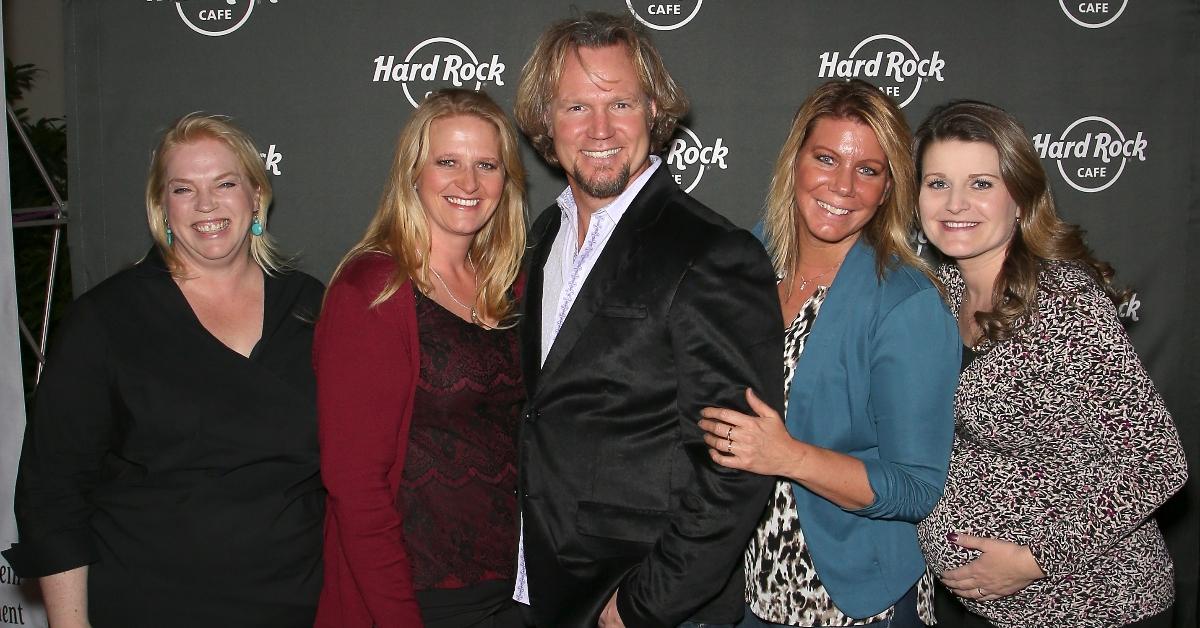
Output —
<point x="1062" y="444"/>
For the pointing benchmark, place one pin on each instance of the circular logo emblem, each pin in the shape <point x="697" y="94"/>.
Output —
<point x="889" y="62"/>
<point x="1093" y="14"/>
<point x="689" y="158"/>
<point x="439" y="62"/>
<point x="215" y="17"/>
<point x="664" y="16"/>
<point x="1092" y="152"/>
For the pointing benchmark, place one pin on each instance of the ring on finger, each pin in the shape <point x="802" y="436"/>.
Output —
<point x="979" y="590"/>
<point x="729" y="446"/>
<point x="729" y="433"/>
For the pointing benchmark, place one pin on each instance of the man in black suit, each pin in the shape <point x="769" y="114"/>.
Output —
<point x="642" y="306"/>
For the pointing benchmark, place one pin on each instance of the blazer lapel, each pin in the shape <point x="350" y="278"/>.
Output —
<point x="850" y="284"/>
<point x="619" y="252"/>
<point x="531" y="306"/>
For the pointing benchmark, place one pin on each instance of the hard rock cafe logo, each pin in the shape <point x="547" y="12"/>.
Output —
<point x="920" y="244"/>
<point x="889" y="62"/>
<point x="664" y="16"/>
<point x="216" y="17"/>
<point x="436" y="63"/>
<point x="1093" y="14"/>
<point x="689" y="158"/>
<point x="1128" y="309"/>
<point x="1092" y="152"/>
<point x="271" y="160"/>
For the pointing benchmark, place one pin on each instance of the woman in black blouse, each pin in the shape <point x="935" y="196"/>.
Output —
<point x="169" y="475"/>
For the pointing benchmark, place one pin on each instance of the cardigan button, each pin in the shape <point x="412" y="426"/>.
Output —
<point x="532" y="416"/>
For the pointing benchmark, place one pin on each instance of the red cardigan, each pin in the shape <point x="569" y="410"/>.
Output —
<point x="367" y="363"/>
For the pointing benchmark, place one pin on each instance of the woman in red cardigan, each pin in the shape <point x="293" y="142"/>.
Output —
<point x="419" y="386"/>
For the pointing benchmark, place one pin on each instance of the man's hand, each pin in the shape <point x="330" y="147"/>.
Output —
<point x="609" y="617"/>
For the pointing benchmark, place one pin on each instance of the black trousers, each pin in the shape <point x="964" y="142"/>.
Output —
<point x="488" y="604"/>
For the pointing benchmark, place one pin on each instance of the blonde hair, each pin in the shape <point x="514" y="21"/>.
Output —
<point x="400" y="229"/>
<point x="540" y="76"/>
<point x="1040" y="235"/>
<point x="890" y="229"/>
<point x="191" y="128"/>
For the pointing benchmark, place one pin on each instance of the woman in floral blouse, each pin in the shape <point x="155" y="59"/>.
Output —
<point x="1063" y="448"/>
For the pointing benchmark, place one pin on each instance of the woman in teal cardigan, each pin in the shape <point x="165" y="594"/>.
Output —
<point x="871" y="360"/>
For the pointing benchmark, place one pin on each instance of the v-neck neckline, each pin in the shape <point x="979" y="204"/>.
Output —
<point x="155" y="267"/>
<point x="199" y="325"/>
<point x="417" y="294"/>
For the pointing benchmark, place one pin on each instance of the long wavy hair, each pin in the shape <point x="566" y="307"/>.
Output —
<point x="400" y="228"/>
<point x="1040" y="235"/>
<point x="194" y="127"/>
<point x="890" y="229"/>
<point x="539" y="78"/>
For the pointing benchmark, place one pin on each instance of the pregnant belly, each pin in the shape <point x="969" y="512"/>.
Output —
<point x="997" y="497"/>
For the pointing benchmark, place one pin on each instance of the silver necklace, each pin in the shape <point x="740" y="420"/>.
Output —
<point x="804" y="281"/>
<point x="450" y="293"/>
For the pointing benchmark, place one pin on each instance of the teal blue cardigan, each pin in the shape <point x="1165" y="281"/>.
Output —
<point x="876" y="381"/>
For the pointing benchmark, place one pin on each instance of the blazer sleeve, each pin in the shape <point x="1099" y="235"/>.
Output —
<point x="914" y="362"/>
<point x="363" y="360"/>
<point x="67" y="436"/>
<point x="727" y="335"/>
<point x="1143" y="461"/>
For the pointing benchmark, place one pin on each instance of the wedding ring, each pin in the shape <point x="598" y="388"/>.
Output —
<point x="729" y="433"/>
<point x="729" y="447"/>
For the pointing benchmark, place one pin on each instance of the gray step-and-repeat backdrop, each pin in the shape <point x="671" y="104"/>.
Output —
<point x="1108" y="91"/>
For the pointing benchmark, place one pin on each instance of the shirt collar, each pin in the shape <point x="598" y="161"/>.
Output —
<point x="615" y="209"/>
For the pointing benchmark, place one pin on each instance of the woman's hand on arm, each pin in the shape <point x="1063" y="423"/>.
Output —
<point x="65" y="596"/>
<point x="1001" y="569"/>
<point x="761" y="444"/>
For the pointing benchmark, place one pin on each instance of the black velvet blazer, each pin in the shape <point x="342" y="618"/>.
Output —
<point x="617" y="489"/>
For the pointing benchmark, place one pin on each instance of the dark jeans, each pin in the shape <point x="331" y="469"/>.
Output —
<point x="904" y="617"/>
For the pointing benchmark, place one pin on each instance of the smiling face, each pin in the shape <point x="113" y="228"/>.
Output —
<point x="600" y="124"/>
<point x="841" y="178"/>
<point x="966" y="210"/>
<point x="462" y="180"/>
<point x="210" y="204"/>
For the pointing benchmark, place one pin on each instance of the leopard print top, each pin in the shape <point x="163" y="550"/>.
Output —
<point x="1062" y="444"/>
<point x="782" y="585"/>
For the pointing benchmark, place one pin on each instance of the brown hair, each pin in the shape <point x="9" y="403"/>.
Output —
<point x="1040" y="235"/>
<point x="540" y="76"/>
<point x="400" y="229"/>
<point x="890" y="229"/>
<point x="191" y="128"/>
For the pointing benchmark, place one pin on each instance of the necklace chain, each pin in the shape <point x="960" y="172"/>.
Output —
<point x="804" y="281"/>
<point x="450" y="293"/>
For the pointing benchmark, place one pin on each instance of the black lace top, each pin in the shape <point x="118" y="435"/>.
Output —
<point x="458" y="490"/>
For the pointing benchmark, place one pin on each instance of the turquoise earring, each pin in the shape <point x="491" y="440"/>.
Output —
<point x="256" y="227"/>
<point x="170" y="236"/>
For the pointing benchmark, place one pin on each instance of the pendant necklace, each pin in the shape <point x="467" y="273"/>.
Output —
<point x="804" y="281"/>
<point x="474" y="315"/>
